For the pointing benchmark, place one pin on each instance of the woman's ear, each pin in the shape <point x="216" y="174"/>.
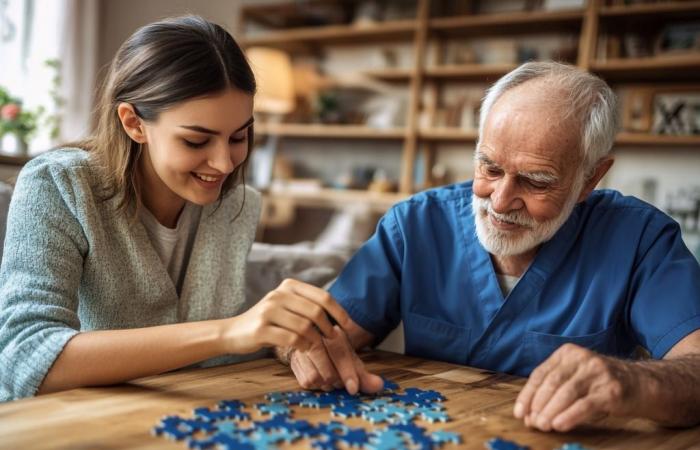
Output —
<point x="131" y="122"/>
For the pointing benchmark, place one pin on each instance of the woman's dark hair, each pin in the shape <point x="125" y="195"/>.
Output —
<point x="160" y="65"/>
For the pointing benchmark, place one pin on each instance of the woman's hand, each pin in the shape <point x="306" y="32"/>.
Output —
<point x="292" y="316"/>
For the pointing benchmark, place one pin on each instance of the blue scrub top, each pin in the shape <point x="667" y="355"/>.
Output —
<point x="616" y="275"/>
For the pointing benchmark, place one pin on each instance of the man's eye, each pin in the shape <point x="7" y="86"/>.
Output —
<point x="196" y="144"/>
<point x="537" y="185"/>
<point x="492" y="171"/>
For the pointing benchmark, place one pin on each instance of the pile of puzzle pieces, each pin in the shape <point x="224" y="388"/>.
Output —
<point x="229" y="425"/>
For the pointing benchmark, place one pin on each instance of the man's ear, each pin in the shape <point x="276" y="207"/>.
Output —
<point x="131" y="122"/>
<point x="600" y="170"/>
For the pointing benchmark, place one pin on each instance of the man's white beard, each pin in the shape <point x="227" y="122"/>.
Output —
<point x="510" y="243"/>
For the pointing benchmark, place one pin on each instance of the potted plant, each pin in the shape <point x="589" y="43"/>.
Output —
<point x="16" y="122"/>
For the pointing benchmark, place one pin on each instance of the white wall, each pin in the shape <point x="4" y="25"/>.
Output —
<point x="120" y="18"/>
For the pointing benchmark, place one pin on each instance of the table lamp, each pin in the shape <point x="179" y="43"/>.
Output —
<point x="275" y="97"/>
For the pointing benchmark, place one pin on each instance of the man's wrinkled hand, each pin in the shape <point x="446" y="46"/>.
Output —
<point x="574" y="386"/>
<point x="333" y="364"/>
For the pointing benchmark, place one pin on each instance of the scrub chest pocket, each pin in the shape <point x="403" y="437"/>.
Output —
<point x="432" y="338"/>
<point x="540" y="346"/>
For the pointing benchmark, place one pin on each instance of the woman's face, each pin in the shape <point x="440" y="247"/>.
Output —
<point x="193" y="147"/>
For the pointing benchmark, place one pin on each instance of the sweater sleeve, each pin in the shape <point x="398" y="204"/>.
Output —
<point x="39" y="277"/>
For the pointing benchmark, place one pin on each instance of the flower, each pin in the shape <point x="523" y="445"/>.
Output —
<point x="10" y="111"/>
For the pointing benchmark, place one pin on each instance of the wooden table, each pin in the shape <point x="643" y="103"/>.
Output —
<point x="479" y="402"/>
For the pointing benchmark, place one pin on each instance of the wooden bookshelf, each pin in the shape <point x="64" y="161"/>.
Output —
<point x="428" y="33"/>
<point x="665" y="10"/>
<point x="337" y="198"/>
<point x="14" y="160"/>
<point x="685" y="67"/>
<point x="627" y="139"/>
<point x="469" y="72"/>
<point x="508" y="23"/>
<point x="329" y="131"/>
<point x="335" y="34"/>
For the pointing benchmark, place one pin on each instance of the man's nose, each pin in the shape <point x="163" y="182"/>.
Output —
<point x="505" y="197"/>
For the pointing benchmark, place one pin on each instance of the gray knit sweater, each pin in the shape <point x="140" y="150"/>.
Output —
<point x="71" y="264"/>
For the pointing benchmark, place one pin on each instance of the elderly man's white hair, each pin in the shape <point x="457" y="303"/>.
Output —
<point x="588" y="98"/>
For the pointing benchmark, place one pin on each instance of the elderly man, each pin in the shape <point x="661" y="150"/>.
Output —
<point x="528" y="270"/>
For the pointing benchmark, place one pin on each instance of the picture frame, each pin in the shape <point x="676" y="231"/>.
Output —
<point x="676" y="112"/>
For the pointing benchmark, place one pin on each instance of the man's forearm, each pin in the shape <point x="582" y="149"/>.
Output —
<point x="670" y="390"/>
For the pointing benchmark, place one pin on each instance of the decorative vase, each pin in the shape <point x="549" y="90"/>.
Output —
<point x="13" y="144"/>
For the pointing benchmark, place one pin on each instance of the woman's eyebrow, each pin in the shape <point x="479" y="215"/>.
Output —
<point x="200" y="129"/>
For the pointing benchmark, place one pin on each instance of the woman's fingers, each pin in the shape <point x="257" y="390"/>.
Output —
<point x="322" y="298"/>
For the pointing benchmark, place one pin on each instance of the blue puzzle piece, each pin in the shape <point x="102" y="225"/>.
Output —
<point x="434" y="416"/>
<point x="175" y="427"/>
<point x="386" y="439"/>
<point x="295" y="398"/>
<point x="355" y="437"/>
<point x="346" y="411"/>
<point x="276" y="397"/>
<point x="273" y="409"/>
<point x="442" y="437"/>
<point x="389" y="386"/>
<point x="572" y="446"/>
<point x="221" y="441"/>
<point x="416" y="433"/>
<point x="274" y="423"/>
<point x="231" y="404"/>
<point x="375" y="405"/>
<point x="375" y="417"/>
<point x="502" y="444"/>
<point x="220" y="414"/>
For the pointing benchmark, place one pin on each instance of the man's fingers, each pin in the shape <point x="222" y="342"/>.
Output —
<point x="524" y="403"/>
<point x="310" y="378"/>
<point x="319" y="358"/>
<point x="587" y="409"/>
<point x="342" y="354"/>
<point x="568" y="393"/>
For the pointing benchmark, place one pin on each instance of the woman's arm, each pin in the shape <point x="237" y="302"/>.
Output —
<point x="292" y="316"/>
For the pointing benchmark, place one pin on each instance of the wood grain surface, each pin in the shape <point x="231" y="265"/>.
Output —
<point x="479" y="402"/>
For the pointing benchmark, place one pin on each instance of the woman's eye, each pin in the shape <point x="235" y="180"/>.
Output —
<point x="196" y="144"/>
<point x="238" y="139"/>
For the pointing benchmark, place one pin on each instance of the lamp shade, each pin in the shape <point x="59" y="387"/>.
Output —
<point x="273" y="74"/>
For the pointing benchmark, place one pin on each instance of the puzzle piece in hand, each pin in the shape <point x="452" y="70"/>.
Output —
<point x="502" y="444"/>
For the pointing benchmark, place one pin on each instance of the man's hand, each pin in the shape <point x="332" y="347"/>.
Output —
<point x="576" y="385"/>
<point x="333" y="364"/>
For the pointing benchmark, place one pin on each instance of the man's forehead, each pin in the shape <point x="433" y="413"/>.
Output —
<point x="517" y="161"/>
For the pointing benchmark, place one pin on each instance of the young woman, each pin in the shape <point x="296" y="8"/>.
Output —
<point x="125" y="256"/>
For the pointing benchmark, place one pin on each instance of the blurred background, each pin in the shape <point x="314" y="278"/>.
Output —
<point x="362" y="103"/>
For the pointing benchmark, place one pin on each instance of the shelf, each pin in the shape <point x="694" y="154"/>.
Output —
<point x="329" y="131"/>
<point x="335" y="34"/>
<point x="660" y="68"/>
<point x="389" y="74"/>
<point x="13" y="160"/>
<point x="508" y="23"/>
<point x="646" y="139"/>
<point x="659" y="11"/>
<point x="447" y="134"/>
<point x="337" y="198"/>
<point x="470" y="72"/>
<point x="624" y="139"/>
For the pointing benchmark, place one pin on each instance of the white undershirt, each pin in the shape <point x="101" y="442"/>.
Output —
<point x="507" y="283"/>
<point x="173" y="245"/>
